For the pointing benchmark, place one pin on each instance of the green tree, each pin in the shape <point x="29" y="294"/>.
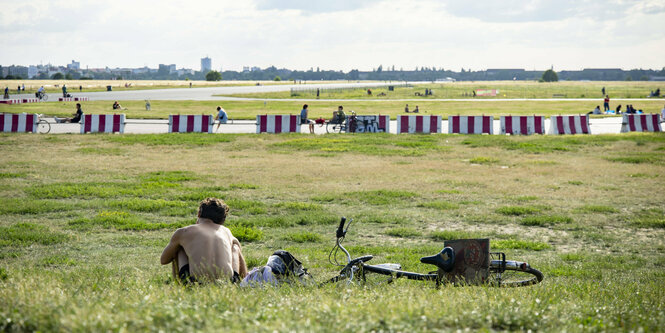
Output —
<point x="277" y="78"/>
<point x="68" y="76"/>
<point x="57" y="76"/>
<point x="550" y="76"/>
<point x="214" y="76"/>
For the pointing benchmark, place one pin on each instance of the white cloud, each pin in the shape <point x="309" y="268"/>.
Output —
<point x="338" y="35"/>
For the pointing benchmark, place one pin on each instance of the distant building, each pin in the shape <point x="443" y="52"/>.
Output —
<point x="16" y="71"/>
<point x="33" y="71"/>
<point x="185" y="71"/>
<point x="75" y="65"/>
<point x="167" y="69"/>
<point x="206" y="65"/>
<point x="143" y="70"/>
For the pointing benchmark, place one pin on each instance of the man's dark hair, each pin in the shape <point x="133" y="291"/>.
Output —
<point x="214" y="209"/>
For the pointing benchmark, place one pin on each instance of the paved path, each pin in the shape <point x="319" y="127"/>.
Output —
<point x="141" y="126"/>
<point x="200" y="94"/>
<point x="208" y="94"/>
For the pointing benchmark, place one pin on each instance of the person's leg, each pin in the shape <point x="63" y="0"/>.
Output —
<point x="184" y="273"/>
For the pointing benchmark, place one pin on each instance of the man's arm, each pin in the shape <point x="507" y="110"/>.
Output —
<point x="237" y="259"/>
<point x="171" y="250"/>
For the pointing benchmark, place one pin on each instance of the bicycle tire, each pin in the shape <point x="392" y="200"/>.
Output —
<point x="333" y="128"/>
<point x="45" y="97"/>
<point x="43" y="126"/>
<point x="514" y="276"/>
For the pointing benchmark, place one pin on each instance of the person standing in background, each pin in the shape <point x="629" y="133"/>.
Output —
<point x="606" y="103"/>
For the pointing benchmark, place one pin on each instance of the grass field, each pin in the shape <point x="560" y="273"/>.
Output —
<point x="55" y="86"/>
<point x="506" y="90"/>
<point x="249" y="109"/>
<point x="84" y="219"/>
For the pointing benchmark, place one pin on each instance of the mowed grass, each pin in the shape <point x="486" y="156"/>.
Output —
<point x="81" y="232"/>
<point x="464" y="90"/>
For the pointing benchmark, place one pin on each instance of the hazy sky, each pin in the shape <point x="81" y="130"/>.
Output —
<point x="336" y="34"/>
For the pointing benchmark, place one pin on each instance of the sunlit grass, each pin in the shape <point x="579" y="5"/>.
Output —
<point x="81" y="231"/>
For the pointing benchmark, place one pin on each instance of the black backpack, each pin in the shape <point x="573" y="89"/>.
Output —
<point x="292" y="267"/>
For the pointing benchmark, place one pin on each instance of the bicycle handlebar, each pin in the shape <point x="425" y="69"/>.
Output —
<point x="340" y="230"/>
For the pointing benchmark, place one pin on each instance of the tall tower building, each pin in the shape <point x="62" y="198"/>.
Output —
<point x="206" y="65"/>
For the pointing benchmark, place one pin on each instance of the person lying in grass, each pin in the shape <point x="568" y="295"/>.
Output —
<point x="206" y="251"/>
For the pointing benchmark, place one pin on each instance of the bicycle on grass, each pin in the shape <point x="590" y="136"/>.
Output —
<point x="502" y="272"/>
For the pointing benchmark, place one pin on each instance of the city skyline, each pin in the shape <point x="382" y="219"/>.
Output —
<point x="344" y="35"/>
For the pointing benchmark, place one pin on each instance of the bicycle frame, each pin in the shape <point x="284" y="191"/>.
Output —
<point x="356" y="268"/>
<point x="498" y="265"/>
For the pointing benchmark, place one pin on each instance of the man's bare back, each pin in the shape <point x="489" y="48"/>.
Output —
<point x="208" y="248"/>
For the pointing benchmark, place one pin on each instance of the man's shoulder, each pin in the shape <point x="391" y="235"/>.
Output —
<point x="186" y="230"/>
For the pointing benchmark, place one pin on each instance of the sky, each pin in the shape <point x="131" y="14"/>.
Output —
<point x="336" y="34"/>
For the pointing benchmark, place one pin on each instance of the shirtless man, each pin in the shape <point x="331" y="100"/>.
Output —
<point x="206" y="251"/>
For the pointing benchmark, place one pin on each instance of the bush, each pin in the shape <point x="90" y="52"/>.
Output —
<point x="213" y="76"/>
<point x="550" y="76"/>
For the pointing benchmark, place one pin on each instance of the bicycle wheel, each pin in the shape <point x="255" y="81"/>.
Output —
<point x="514" y="274"/>
<point x="333" y="128"/>
<point x="43" y="126"/>
<point x="45" y="97"/>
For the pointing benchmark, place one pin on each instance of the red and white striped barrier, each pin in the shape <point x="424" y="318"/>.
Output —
<point x="470" y="125"/>
<point x="10" y="101"/>
<point x="190" y="123"/>
<point x="418" y="124"/>
<point x="30" y="100"/>
<point x="369" y="124"/>
<point x="641" y="123"/>
<point x="103" y="123"/>
<point x="18" y="122"/>
<point x="570" y="125"/>
<point x="522" y="125"/>
<point x="73" y="99"/>
<point x="278" y="123"/>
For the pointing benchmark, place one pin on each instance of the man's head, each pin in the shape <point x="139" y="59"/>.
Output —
<point x="219" y="108"/>
<point x="214" y="209"/>
<point x="78" y="105"/>
<point x="340" y="108"/>
<point x="305" y="106"/>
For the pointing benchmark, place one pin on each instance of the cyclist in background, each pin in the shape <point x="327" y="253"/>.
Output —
<point x="40" y="92"/>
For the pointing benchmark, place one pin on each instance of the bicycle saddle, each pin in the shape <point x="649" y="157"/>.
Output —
<point x="444" y="259"/>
